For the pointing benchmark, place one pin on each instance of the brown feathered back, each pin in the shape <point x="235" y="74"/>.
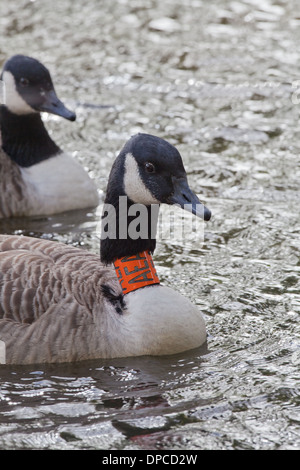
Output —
<point x="52" y="301"/>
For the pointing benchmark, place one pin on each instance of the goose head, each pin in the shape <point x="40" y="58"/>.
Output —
<point x="148" y="171"/>
<point x="28" y="88"/>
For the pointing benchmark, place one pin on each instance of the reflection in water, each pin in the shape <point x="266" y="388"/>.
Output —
<point x="219" y="80"/>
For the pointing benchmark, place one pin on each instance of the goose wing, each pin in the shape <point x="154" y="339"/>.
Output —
<point x="12" y="188"/>
<point x="50" y="296"/>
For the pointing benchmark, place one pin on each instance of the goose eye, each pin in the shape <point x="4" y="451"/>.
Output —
<point x="24" y="81"/>
<point x="150" y="168"/>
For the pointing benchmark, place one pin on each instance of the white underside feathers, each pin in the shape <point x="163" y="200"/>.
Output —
<point x="59" y="184"/>
<point x="160" y="321"/>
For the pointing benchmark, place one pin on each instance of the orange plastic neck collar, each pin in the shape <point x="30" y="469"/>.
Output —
<point x="136" y="271"/>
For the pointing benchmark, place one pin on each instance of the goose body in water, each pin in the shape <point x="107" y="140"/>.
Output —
<point x="59" y="303"/>
<point x="36" y="176"/>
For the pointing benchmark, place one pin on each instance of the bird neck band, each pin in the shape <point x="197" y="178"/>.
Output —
<point x="136" y="271"/>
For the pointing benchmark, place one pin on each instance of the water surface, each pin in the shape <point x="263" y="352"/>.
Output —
<point x="220" y="80"/>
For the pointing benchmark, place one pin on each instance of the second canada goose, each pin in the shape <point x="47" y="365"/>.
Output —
<point x="36" y="176"/>
<point x="60" y="303"/>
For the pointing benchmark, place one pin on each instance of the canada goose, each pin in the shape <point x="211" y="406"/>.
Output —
<point x="59" y="303"/>
<point x="36" y="177"/>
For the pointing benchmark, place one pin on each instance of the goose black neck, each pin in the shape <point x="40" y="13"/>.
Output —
<point x="124" y="234"/>
<point x="25" y="139"/>
<point x="120" y="229"/>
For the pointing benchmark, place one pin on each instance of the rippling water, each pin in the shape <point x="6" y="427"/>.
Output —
<point x="220" y="80"/>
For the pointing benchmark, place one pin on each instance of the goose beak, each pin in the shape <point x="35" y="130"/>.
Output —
<point x="187" y="199"/>
<point x="51" y="104"/>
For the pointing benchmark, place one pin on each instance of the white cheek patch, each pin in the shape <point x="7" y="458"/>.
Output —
<point x="2" y="352"/>
<point x="134" y="187"/>
<point x="11" y="98"/>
